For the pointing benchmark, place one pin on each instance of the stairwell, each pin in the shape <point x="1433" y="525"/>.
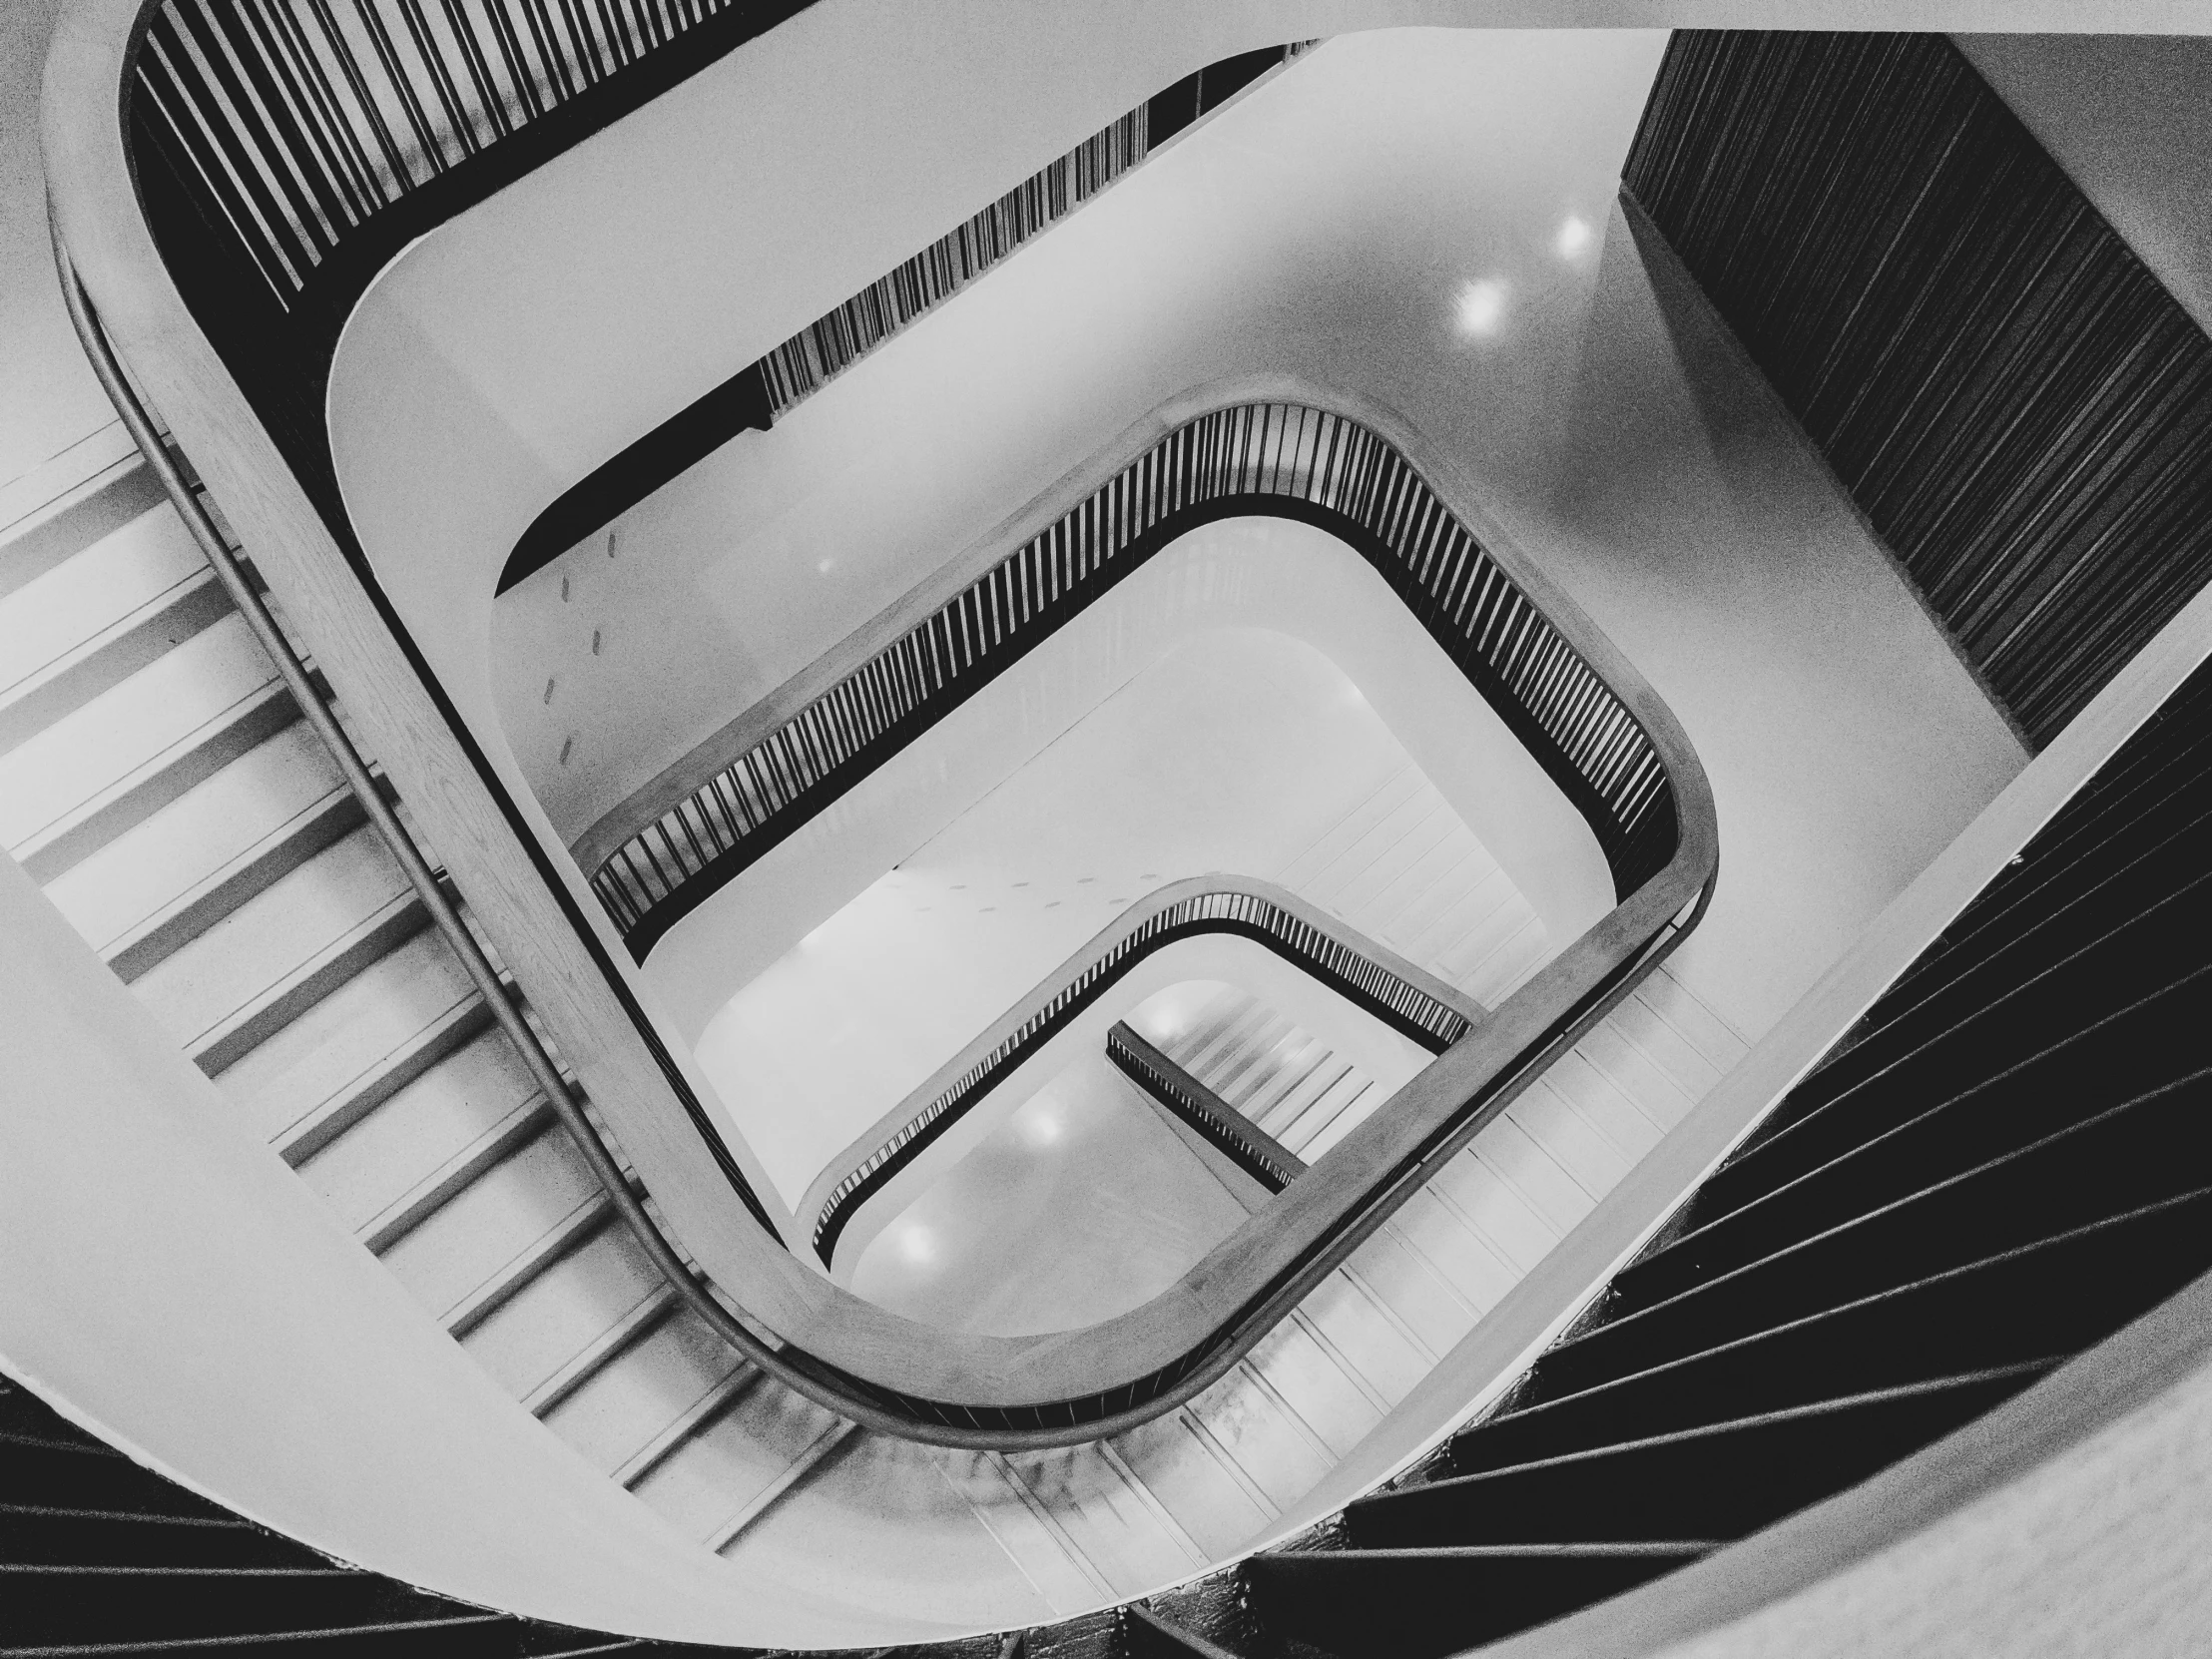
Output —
<point x="157" y="781"/>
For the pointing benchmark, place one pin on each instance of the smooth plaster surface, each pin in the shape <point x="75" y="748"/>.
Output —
<point x="1081" y="1206"/>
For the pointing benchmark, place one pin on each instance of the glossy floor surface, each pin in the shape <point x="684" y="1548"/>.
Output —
<point x="1085" y="1200"/>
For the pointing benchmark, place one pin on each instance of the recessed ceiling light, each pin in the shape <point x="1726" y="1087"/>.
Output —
<point x="1481" y="308"/>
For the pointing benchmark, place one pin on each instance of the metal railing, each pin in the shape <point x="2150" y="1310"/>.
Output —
<point x="1254" y="1153"/>
<point x="1281" y="458"/>
<point x="827" y="346"/>
<point x="304" y="120"/>
<point x="1176" y="912"/>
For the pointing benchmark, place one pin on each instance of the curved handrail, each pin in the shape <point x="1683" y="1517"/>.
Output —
<point x="1288" y="459"/>
<point x="1399" y="994"/>
<point x="265" y="452"/>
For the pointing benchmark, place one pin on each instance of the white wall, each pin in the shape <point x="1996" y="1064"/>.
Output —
<point x="173" y="1287"/>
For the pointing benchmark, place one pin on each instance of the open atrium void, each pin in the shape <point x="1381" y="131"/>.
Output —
<point x="1003" y="829"/>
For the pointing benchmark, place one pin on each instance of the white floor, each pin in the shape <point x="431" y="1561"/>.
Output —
<point x="1238" y="752"/>
<point x="1081" y="1203"/>
<point x="1081" y="1206"/>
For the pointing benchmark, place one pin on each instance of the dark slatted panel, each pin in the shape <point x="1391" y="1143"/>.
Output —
<point x="304" y="119"/>
<point x="99" y="1555"/>
<point x="1999" y="1167"/>
<point x="2019" y="408"/>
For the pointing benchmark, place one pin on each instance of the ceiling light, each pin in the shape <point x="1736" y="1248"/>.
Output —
<point x="1574" y="236"/>
<point x="1481" y="307"/>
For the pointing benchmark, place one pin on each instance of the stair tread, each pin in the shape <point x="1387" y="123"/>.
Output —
<point x="1397" y="847"/>
<point x="277" y="931"/>
<point x="1591" y="1161"/>
<point x="1331" y="844"/>
<point x="70" y="504"/>
<point x="1628" y="1127"/>
<point x="52" y="616"/>
<point x="714" y="1473"/>
<point x="563" y="1310"/>
<point x="1107" y="1514"/>
<point x="340" y="1044"/>
<point x="636" y="1395"/>
<point x="1449" y="1276"/>
<point x="1816" y="1410"/>
<point x="1507" y="1150"/>
<point x="1453" y="867"/>
<point x="889" y="1502"/>
<point x="1311" y="1086"/>
<point x="1361" y="1105"/>
<point x="1492" y="972"/>
<point x="467" y="1094"/>
<point x="1215" y="1501"/>
<point x="1495" y="1210"/>
<point x="493" y="1221"/>
<point x="1345" y="1087"/>
<point x="64" y="768"/>
<point x="131" y="880"/>
<point x="1365" y="1336"/>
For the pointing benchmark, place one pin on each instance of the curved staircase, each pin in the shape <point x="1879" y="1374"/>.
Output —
<point x="159" y="782"/>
